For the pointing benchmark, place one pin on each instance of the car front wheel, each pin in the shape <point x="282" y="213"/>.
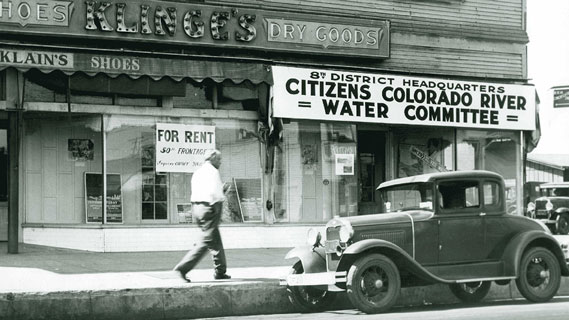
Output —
<point x="309" y="298"/>
<point x="540" y="275"/>
<point x="373" y="283"/>
<point x="470" y="292"/>
<point x="563" y="224"/>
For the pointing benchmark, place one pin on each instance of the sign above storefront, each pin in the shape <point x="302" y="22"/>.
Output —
<point x="389" y="99"/>
<point x="197" y="25"/>
<point x="134" y="66"/>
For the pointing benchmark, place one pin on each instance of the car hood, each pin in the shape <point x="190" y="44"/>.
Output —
<point x="553" y="199"/>
<point x="395" y="217"/>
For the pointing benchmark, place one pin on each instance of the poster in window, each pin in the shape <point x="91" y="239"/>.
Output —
<point x="94" y="198"/>
<point x="81" y="149"/>
<point x="184" y="213"/>
<point x="344" y="164"/>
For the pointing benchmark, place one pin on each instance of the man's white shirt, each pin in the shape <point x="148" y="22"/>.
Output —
<point x="207" y="185"/>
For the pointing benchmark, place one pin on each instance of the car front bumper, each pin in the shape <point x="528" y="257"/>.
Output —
<point x="314" y="279"/>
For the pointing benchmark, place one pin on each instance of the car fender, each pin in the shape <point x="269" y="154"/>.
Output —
<point x="399" y="256"/>
<point x="518" y="244"/>
<point x="313" y="259"/>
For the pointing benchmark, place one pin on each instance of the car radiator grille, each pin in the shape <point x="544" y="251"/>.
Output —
<point x="333" y="233"/>
<point x="540" y="205"/>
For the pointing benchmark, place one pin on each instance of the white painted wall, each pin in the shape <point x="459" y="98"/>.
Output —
<point x="118" y="239"/>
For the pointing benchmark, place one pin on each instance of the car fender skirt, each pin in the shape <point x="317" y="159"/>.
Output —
<point x="399" y="256"/>
<point x="518" y="244"/>
<point x="313" y="259"/>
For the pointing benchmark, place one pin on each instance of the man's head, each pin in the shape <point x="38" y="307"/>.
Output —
<point x="213" y="156"/>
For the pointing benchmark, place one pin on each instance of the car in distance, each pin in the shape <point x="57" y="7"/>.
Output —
<point x="552" y="208"/>
<point x="448" y="227"/>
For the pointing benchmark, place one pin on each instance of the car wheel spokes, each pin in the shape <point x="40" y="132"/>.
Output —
<point x="538" y="274"/>
<point x="374" y="284"/>
<point x="471" y="287"/>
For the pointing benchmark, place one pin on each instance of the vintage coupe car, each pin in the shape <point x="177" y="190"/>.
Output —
<point x="552" y="208"/>
<point x="449" y="227"/>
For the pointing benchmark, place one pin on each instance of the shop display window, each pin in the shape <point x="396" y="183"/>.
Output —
<point x="63" y="163"/>
<point x="495" y="151"/>
<point x="315" y="173"/>
<point x="151" y="195"/>
<point x="423" y="150"/>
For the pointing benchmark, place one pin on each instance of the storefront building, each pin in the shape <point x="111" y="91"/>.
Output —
<point x="312" y="107"/>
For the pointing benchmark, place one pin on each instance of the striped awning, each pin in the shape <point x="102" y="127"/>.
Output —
<point x="155" y="66"/>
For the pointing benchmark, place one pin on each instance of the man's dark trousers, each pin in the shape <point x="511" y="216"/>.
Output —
<point x="208" y="218"/>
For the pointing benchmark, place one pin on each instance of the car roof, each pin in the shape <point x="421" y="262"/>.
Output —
<point x="429" y="177"/>
<point x="555" y="185"/>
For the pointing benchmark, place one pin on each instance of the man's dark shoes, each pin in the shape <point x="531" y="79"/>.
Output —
<point x="182" y="275"/>
<point x="224" y="276"/>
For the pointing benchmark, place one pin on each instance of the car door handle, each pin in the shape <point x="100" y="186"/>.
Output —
<point x="482" y="214"/>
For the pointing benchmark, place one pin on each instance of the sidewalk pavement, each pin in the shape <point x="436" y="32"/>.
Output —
<point x="53" y="283"/>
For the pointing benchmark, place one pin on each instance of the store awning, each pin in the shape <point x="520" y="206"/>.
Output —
<point x="176" y="67"/>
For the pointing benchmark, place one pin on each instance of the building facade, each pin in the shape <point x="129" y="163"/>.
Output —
<point x="312" y="107"/>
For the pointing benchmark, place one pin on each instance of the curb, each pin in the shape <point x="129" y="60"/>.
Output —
<point x="201" y="300"/>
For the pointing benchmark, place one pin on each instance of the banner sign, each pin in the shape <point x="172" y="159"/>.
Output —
<point x="198" y="25"/>
<point x="377" y="98"/>
<point x="181" y="147"/>
<point x="561" y="98"/>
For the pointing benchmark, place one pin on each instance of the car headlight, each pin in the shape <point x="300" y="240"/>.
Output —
<point x="549" y="206"/>
<point x="531" y="206"/>
<point x="346" y="232"/>
<point x="313" y="237"/>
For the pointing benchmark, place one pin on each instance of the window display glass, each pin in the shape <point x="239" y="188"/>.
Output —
<point x="315" y="175"/>
<point x="62" y="165"/>
<point x="150" y="155"/>
<point x="495" y="151"/>
<point x="423" y="150"/>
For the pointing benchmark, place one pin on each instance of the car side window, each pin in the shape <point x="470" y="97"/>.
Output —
<point x="456" y="195"/>
<point x="491" y="194"/>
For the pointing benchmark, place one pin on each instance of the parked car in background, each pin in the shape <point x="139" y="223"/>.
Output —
<point x="552" y="207"/>
<point x="448" y="227"/>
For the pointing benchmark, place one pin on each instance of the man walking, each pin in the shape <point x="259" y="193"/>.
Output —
<point x="207" y="202"/>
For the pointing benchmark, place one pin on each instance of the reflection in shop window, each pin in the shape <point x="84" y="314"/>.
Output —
<point x="494" y="151"/>
<point x="423" y="151"/>
<point x="164" y="197"/>
<point x="315" y="172"/>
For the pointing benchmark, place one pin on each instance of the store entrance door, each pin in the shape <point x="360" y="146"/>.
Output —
<point x="371" y="164"/>
<point x="3" y="181"/>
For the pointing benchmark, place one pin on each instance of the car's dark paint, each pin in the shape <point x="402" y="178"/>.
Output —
<point x="313" y="259"/>
<point x="513" y="252"/>
<point x="556" y="193"/>
<point x="472" y="244"/>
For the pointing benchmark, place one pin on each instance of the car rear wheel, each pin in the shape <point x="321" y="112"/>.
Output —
<point x="309" y="298"/>
<point x="470" y="292"/>
<point x="563" y="224"/>
<point x="540" y="275"/>
<point x="373" y="283"/>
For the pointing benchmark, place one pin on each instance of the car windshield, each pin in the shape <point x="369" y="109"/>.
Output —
<point x="412" y="196"/>
<point x="555" y="192"/>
